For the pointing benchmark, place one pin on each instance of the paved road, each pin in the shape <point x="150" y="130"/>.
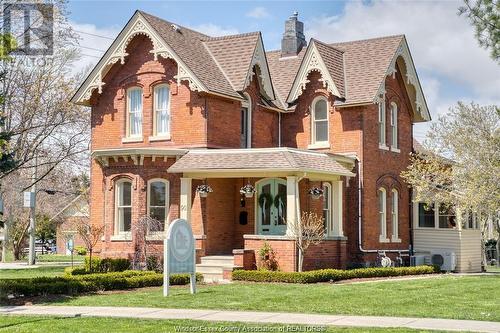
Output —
<point x="255" y="317"/>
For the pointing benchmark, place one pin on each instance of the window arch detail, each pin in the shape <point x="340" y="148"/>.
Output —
<point x="319" y="121"/>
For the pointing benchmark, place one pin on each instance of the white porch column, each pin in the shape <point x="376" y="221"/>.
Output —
<point x="338" y="229"/>
<point x="292" y="204"/>
<point x="185" y="202"/>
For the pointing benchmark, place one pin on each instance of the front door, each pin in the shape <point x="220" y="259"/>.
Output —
<point x="271" y="207"/>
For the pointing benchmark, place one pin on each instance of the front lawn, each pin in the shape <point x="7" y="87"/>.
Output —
<point x="41" y="324"/>
<point x="32" y="272"/>
<point x="59" y="258"/>
<point x="455" y="297"/>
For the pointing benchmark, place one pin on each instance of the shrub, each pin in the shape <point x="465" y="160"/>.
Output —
<point x="74" y="284"/>
<point x="104" y="265"/>
<point x="267" y="258"/>
<point x="329" y="275"/>
<point x="80" y="250"/>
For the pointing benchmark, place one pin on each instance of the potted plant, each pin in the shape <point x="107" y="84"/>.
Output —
<point x="203" y="190"/>
<point x="316" y="192"/>
<point x="248" y="190"/>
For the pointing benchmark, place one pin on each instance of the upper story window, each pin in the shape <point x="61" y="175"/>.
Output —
<point x="394" y="126"/>
<point x="382" y="213"/>
<point x="246" y="122"/>
<point x="158" y="202"/>
<point x="381" y="124"/>
<point x="161" y="111"/>
<point x="320" y="121"/>
<point x="123" y="206"/>
<point x="134" y="112"/>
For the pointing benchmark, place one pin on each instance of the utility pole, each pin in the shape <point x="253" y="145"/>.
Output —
<point x="31" y="258"/>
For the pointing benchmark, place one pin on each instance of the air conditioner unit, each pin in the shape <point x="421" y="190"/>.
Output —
<point x="445" y="259"/>
<point x="417" y="260"/>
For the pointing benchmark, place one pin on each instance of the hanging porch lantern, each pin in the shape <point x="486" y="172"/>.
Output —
<point x="248" y="190"/>
<point x="316" y="193"/>
<point x="203" y="190"/>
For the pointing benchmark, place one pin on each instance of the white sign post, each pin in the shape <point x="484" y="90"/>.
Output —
<point x="179" y="253"/>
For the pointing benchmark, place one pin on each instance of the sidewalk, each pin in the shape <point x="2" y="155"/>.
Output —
<point x="255" y="317"/>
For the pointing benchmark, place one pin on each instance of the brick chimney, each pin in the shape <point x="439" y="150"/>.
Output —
<point x="293" y="38"/>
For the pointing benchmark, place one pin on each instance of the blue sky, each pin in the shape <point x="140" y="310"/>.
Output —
<point x="450" y="64"/>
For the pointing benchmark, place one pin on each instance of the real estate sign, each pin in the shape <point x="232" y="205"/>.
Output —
<point x="179" y="253"/>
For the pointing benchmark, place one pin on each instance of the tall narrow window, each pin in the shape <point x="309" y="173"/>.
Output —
<point x="394" y="125"/>
<point x="395" y="215"/>
<point x="327" y="189"/>
<point x="134" y="111"/>
<point x="162" y="110"/>
<point x="381" y="123"/>
<point x="320" y="121"/>
<point x="123" y="201"/>
<point x="382" y="213"/>
<point x="246" y="123"/>
<point x="158" y="198"/>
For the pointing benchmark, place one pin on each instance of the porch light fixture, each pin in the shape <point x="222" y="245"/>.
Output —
<point x="203" y="190"/>
<point x="316" y="192"/>
<point x="248" y="190"/>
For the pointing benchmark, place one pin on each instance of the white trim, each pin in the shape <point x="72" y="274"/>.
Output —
<point x="128" y="124"/>
<point x="328" y="201"/>
<point x="157" y="135"/>
<point x="320" y="145"/>
<point x="312" y="61"/>
<point x="313" y="123"/>
<point x="383" y="147"/>
<point x="122" y="237"/>
<point x="338" y="215"/>
<point x="167" y="199"/>
<point x="185" y="199"/>
<point x="382" y="123"/>
<point x="259" y="59"/>
<point x="382" y="214"/>
<point x="117" y="186"/>
<point x="248" y="105"/>
<point x="160" y="138"/>
<point x="394" y="127"/>
<point x="137" y="25"/>
<point x="133" y="139"/>
<point x="395" y="215"/>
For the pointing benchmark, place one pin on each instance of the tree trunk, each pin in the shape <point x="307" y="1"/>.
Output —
<point x="90" y="260"/>
<point x="498" y="250"/>
<point x="301" y="259"/>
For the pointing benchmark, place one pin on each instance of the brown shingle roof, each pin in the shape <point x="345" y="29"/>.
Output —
<point x="334" y="62"/>
<point x="280" y="159"/>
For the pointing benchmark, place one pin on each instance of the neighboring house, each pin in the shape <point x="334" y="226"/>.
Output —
<point x="67" y="219"/>
<point x="173" y="109"/>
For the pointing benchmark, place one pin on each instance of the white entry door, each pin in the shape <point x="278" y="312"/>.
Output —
<point x="271" y="207"/>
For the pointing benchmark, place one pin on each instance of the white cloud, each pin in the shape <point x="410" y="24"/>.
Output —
<point x="442" y="45"/>
<point x="214" y="30"/>
<point x="258" y="13"/>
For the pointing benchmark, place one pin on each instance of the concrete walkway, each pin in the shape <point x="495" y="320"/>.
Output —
<point x="255" y="317"/>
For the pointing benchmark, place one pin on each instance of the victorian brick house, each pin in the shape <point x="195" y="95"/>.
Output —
<point x="173" y="109"/>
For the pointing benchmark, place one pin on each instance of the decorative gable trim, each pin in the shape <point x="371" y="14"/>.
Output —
<point x="259" y="59"/>
<point x="312" y="62"/>
<point x="419" y="104"/>
<point x="137" y="25"/>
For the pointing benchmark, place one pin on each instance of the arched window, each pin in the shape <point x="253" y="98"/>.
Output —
<point x="123" y="206"/>
<point x="381" y="123"/>
<point x="327" y="208"/>
<point x="394" y="125"/>
<point x="158" y="202"/>
<point x="246" y="122"/>
<point x="320" y="120"/>
<point x="161" y="111"/>
<point x="382" y="213"/>
<point x="134" y="112"/>
<point x="395" y="215"/>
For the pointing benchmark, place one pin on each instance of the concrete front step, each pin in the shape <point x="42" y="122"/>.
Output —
<point x="212" y="267"/>
<point x="218" y="260"/>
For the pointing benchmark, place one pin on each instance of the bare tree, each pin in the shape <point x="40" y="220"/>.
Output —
<point x="145" y="226"/>
<point x="307" y="231"/>
<point x="90" y="234"/>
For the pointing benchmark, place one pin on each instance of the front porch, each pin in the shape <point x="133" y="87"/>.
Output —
<point x="227" y="222"/>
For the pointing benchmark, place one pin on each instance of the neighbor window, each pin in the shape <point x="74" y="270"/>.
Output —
<point x="327" y="189"/>
<point x="158" y="198"/>
<point x="381" y="123"/>
<point x="394" y="125"/>
<point x="123" y="201"/>
<point x="162" y="110"/>
<point x="395" y="217"/>
<point x="447" y="218"/>
<point x="134" y="112"/>
<point x="426" y="218"/>
<point x="320" y="121"/>
<point x="382" y="213"/>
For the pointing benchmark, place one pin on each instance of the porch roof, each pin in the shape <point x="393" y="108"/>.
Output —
<point x="257" y="160"/>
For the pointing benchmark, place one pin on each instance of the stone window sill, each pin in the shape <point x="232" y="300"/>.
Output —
<point x="124" y="237"/>
<point x="382" y="239"/>
<point x="319" y="145"/>
<point x="164" y="137"/>
<point x="395" y="240"/>
<point x="383" y="147"/>
<point x="132" y="140"/>
<point x="395" y="150"/>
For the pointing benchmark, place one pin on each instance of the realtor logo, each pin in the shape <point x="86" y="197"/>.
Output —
<point x="31" y="25"/>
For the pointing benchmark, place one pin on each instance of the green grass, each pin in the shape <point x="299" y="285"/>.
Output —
<point x="31" y="272"/>
<point x="455" y="297"/>
<point x="493" y="269"/>
<point x="44" y="324"/>
<point x="59" y="258"/>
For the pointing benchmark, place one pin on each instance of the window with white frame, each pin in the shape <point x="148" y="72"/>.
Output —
<point x="161" y="110"/>
<point x="395" y="214"/>
<point x="158" y="201"/>
<point x="381" y="123"/>
<point x="382" y="213"/>
<point x="327" y="211"/>
<point x="123" y="203"/>
<point x="320" y="120"/>
<point x="134" y="112"/>
<point x="394" y="125"/>
<point x="246" y="122"/>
